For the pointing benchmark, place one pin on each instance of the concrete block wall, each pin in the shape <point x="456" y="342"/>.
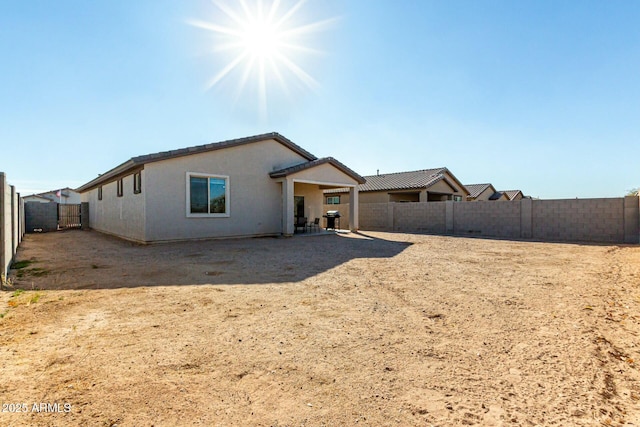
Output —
<point x="6" y="254"/>
<point x="420" y="217"/>
<point x="11" y="220"/>
<point x="375" y="216"/>
<point x="595" y="220"/>
<point x="41" y="216"/>
<point x="631" y="219"/>
<point x="15" y="220"/>
<point x="485" y="218"/>
<point x="612" y="220"/>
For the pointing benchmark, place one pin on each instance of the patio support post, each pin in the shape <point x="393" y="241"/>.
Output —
<point x="353" y="209"/>
<point x="287" y="207"/>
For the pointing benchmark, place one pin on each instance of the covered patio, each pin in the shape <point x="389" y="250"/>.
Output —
<point x="302" y="192"/>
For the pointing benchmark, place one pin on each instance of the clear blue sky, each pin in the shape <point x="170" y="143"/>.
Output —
<point x="542" y="96"/>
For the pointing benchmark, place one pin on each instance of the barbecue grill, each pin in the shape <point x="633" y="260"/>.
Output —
<point x="333" y="220"/>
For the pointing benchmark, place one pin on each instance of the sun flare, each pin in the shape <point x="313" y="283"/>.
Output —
<point x="262" y="43"/>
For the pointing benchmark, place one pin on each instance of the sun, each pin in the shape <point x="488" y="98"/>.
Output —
<point x="262" y="43"/>
<point x="261" y="40"/>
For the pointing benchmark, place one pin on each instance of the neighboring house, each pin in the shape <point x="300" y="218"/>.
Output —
<point x="513" y="194"/>
<point x="36" y="198"/>
<point x="427" y="185"/>
<point x="498" y="196"/>
<point x="64" y="196"/>
<point x="478" y="192"/>
<point x="254" y="186"/>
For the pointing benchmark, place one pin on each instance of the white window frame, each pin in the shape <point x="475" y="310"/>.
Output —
<point x="227" y="204"/>
<point x="331" y="197"/>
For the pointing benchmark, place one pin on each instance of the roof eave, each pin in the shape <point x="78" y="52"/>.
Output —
<point x="304" y="166"/>
<point x="107" y="176"/>
<point x="166" y="155"/>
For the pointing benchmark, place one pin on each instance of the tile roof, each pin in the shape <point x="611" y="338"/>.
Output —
<point x="137" y="162"/>
<point x="511" y="194"/>
<point x="476" y="189"/>
<point x="496" y="195"/>
<point x="223" y="144"/>
<point x="314" y="163"/>
<point x="399" y="181"/>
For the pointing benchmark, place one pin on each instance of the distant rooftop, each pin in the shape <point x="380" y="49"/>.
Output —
<point x="476" y="189"/>
<point x="400" y="181"/>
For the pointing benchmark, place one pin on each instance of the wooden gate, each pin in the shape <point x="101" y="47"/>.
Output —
<point x="69" y="217"/>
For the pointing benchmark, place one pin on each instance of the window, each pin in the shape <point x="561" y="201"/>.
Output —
<point x="457" y="198"/>
<point x="100" y="193"/>
<point x="333" y="200"/>
<point x="120" y="188"/>
<point x="207" y="195"/>
<point x="137" y="183"/>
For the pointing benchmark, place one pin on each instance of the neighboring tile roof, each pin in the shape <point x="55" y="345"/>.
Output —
<point x="476" y="189"/>
<point x="496" y="195"/>
<point x="511" y="194"/>
<point x="137" y="162"/>
<point x="400" y="181"/>
<point x="37" y="196"/>
<point x="297" y="168"/>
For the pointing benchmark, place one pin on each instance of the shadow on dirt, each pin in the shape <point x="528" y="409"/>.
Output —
<point x="90" y="260"/>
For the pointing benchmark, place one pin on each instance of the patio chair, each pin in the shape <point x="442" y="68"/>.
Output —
<point x="314" y="224"/>
<point x="301" y="222"/>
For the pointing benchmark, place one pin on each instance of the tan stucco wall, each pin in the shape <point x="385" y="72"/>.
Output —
<point x="255" y="200"/>
<point x="405" y="196"/>
<point x="485" y="194"/>
<point x="344" y="215"/>
<point x="325" y="173"/>
<point x="121" y="216"/>
<point x="313" y="199"/>
<point x="443" y="187"/>
<point x="370" y="197"/>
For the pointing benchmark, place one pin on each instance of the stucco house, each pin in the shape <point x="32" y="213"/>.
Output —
<point x="479" y="192"/>
<point x="36" y="198"/>
<point x="253" y="186"/>
<point x="426" y="185"/>
<point x="484" y="192"/>
<point x="513" y="194"/>
<point x="64" y="196"/>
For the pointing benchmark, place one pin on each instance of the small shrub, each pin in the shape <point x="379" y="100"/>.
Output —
<point x="21" y="264"/>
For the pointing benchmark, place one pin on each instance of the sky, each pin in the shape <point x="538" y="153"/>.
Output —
<point x="541" y="96"/>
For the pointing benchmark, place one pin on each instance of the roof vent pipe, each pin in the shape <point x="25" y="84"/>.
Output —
<point x="377" y="171"/>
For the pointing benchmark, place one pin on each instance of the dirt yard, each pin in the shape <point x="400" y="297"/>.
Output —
<point x="374" y="329"/>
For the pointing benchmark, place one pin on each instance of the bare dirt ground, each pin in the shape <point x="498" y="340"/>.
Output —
<point x="375" y="329"/>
